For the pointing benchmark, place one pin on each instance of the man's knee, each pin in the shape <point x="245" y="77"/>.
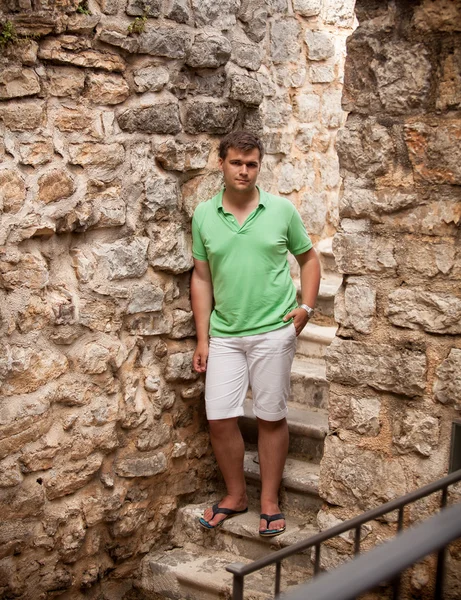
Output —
<point x="220" y="426"/>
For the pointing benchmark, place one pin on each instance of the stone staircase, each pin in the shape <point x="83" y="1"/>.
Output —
<point x="195" y="568"/>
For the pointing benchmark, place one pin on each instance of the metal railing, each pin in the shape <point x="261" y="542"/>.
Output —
<point x="240" y="571"/>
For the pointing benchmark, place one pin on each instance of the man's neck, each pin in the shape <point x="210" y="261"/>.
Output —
<point x="241" y="199"/>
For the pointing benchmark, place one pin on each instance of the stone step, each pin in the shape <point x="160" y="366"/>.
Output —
<point x="314" y="340"/>
<point x="299" y="490"/>
<point x="308" y="428"/>
<point x="329" y="286"/>
<point x="309" y="383"/>
<point x="240" y="535"/>
<point x="324" y="249"/>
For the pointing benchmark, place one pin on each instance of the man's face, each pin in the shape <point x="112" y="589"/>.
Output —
<point x="241" y="169"/>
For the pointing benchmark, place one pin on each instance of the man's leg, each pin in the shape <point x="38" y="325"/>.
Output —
<point x="229" y="450"/>
<point x="272" y="450"/>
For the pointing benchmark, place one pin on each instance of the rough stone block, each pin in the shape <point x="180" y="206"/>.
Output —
<point x="179" y="11"/>
<point x="150" y="79"/>
<point x="77" y="120"/>
<point x="55" y="185"/>
<point x="139" y="8"/>
<point x="356" y="414"/>
<point x="182" y="155"/>
<point x="179" y="367"/>
<point x="276" y="113"/>
<point x="245" y="53"/>
<point x="355" y="306"/>
<point x="254" y="16"/>
<point x="320" y="45"/>
<point x="16" y="82"/>
<point x="246" y="90"/>
<point x="183" y="324"/>
<point x="165" y="41"/>
<point x="416" y="431"/>
<point x="25" y="116"/>
<point x="291" y="177"/>
<point x="338" y="12"/>
<point x="158" y="118"/>
<point x="307" y="8"/>
<point x="209" y="51"/>
<point x="221" y="15"/>
<point x="145" y="297"/>
<point x="314" y="210"/>
<point x="431" y="15"/>
<point x="198" y="189"/>
<point x="70" y="49"/>
<point x="124" y="258"/>
<point x="65" y="480"/>
<point x="285" y="41"/>
<point x="207" y="116"/>
<point x="449" y="87"/>
<point x="322" y="73"/>
<point x="434" y="150"/>
<point x="36" y="153"/>
<point x="12" y="191"/>
<point x="101" y="160"/>
<point x="447" y="386"/>
<point x="419" y="309"/>
<point x="379" y="366"/>
<point x="358" y="254"/>
<point x="105" y="88"/>
<point x="141" y="466"/>
<point x="161" y="198"/>
<point x="308" y="107"/>
<point x="23" y="270"/>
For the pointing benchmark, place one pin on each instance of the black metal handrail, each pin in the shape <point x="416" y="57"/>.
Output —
<point x="240" y="571"/>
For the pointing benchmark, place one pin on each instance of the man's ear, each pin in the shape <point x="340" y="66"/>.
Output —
<point x="220" y="163"/>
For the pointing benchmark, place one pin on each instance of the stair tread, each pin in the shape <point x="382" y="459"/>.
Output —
<point x="329" y="285"/>
<point x="312" y="368"/>
<point x="319" y="333"/>
<point x="325" y="247"/>
<point x="298" y="475"/>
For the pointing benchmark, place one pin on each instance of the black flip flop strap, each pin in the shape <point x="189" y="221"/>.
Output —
<point x="270" y="518"/>
<point x="223" y="511"/>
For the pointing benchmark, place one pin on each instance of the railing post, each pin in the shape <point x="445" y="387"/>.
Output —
<point x="358" y="531"/>
<point x="237" y="587"/>
<point x="441" y="555"/>
<point x="278" y="574"/>
<point x="317" y="559"/>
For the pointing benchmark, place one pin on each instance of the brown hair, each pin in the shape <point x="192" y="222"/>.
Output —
<point x="240" y="140"/>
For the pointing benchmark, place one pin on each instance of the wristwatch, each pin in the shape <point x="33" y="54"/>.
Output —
<point x="308" y="309"/>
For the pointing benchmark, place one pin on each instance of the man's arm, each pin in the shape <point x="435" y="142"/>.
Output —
<point x="202" y="303"/>
<point x="310" y="282"/>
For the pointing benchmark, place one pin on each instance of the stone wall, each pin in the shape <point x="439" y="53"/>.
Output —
<point x="394" y="366"/>
<point x="110" y="115"/>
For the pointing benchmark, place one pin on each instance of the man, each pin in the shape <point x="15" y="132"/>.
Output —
<point x="247" y="320"/>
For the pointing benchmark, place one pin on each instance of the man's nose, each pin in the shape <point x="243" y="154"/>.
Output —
<point x="244" y="169"/>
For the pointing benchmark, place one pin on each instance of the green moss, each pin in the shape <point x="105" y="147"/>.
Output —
<point x="83" y="9"/>
<point x="8" y="34"/>
<point x="138" y="25"/>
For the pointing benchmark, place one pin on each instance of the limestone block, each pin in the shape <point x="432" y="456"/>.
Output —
<point x="161" y="198"/>
<point x="182" y="155"/>
<point x="103" y="88"/>
<point x="101" y="160"/>
<point x="207" y="116"/>
<point x="158" y="118"/>
<point x="331" y="113"/>
<point x="209" y="50"/>
<point x="449" y="86"/>
<point x="308" y="106"/>
<point x="447" y="386"/>
<point x="338" y="12"/>
<point x="179" y="367"/>
<point x="277" y="6"/>
<point x="365" y="147"/>
<point x="254" y="16"/>
<point x="24" y="52"/>
<point x="10" y="474"/>
<point x="23" y="270"/>
<point x="416" y="431"/>
<point x="16" y="82"/>
<point x="326" y="520"/>
<point x="183" y="324"/>
<point x="141" y="466"/>
<point x="150" y="79"/>
<point x="36" y="153"/>
<point x="23" y="501"/>
<point x="291" y="177"/>
<point x="246" y="89"/>
<point x="67" y="479"/>
<point x="198" y="189"/>
<point x="165" y="41"/>
<point x="154" y="436"/>
<point x="35" y="316"/>
<point x="322" y="73"/>
<point x="100" y="316"/>
<point x="68" y="49"/>
<point x="276" y="112"/>
<point x="154" y="323"/>
<point x="14" y="536"/>
<point x="145" y="297"/>
<point x="221" y="15"/>
<point x="359" y="254"/>
<point x="434" y="151"/>
<point x="320" y="45"/>
<point x="291" y="76"/>
<point x="79" y="23"/>
<point x="355" y="306"/>
<point x="305" y="137"/>
<point x="12" y="191"/>
<point x="432" y="15"/>
<point x="418" y="309"/>
<point x="194" y="391"/>
<point x="314" y="210"/>
<point x="380" y="366"/>
<point x="285" y="41"/>
<point x="77" y="119"/>
<point x="276" y="142"/>
<point x="356" y="414"/>
<point x="124" y="258"/>
<point x="245" y="53"/>
<point x="329" y="172"/>
<point x="352" y="477"/>
<point x="307" y="8"/>
<point x="179" y="11"/>
<point x="55" y="185"/>
<point x="149" y="8"/>
<point x="120" y="39"/>
<point x="24" y="116"/>
<point x="95" y="355"/>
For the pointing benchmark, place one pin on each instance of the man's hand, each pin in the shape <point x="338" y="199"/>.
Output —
<point x="300" y="319"/>
<point x="200" y="357"/>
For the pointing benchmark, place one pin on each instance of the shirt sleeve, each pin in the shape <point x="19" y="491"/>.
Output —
<point x="198" y="248"/>
<point x="298" y="239"/>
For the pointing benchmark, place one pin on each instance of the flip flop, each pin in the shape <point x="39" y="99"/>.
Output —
<point x="229" y="512"/>
<point x="272" y="532"/>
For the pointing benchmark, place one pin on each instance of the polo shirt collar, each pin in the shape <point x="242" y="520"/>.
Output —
<point x="262" y="198"/>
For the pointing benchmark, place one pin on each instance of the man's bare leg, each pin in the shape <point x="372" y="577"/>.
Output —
<point x="273" y="450"/>
<point x="229" y="450"/>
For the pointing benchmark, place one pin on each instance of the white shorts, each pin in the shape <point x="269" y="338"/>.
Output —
<point x="261" y="361"/>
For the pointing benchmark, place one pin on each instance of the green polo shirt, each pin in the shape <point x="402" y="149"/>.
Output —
<point x="252" y="286"/>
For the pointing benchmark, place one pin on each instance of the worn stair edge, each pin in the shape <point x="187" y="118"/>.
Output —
<point x="315" y="339"/>
<point x="329" y="286"/>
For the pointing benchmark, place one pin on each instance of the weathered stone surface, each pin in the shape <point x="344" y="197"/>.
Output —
<point x="434" y="151"/>
<point x="276" y="113"/>
<point x="120" y="39"/>
<point x="416" y="308"/>
<point x="308" y="106"/>
<point x="77" y="120"/>
<point x="150" y="79"/>
<point x="141" y="466"/>
<point x="447" y="387"/>
<point x="28" y="270"/>
<point x="433" y="15"/>
<point x="24" y="116"/>
<point x="198" y="189"/>
<point x="161" y="198"/>
<point x="358" y="254"/>
<point x="380" y="366"/>
<point x="71" y="477"/>
<point x="285" y="41"/>
<point x="416" y="432"/>
<point x="170" y="248"/>
<point x="153" y="437"/>
<point x="183" y="324"/>
<point x="320" y="45"/>
<point x="322" y="73"/>
<point x="179" y="367"/>
<point x="221" y="16"/>
<point x="357" y="414"/>
<point x="16" y="82"/>
<point x="139" y="8"/>
<point x="207" y="116"/>
<point x="101" y="160"/>
<point x="105" y="88"/>
<point x="254" y="16"/>
<point x="164" y="41"/>
<point x="246" y="90"/>
<point x="36" y="153"/>
<point x="12" y="191"/>
<point x="292" y="177"/>
<point x="307" y="8"/>
<point x="69" y="49"/>
<point x="159" y="118"/>
<point x="449" y="91"/>
<point x="178" y="10"/>
<point x="94" y="355"/>
<point x="182" y="155"/>
<point x="145" y="297"/>
<point x="338" y="12"/>
<point x="355" y="305"/>
<point x="65" y="81"/>
<point x="124" y="258"/>
<point x="245" y="53"/>
<point x="209" y="50"/>
<point x="314" y="210"/>
<point x="55" y="185"/>
<point x="10" y="474"/>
